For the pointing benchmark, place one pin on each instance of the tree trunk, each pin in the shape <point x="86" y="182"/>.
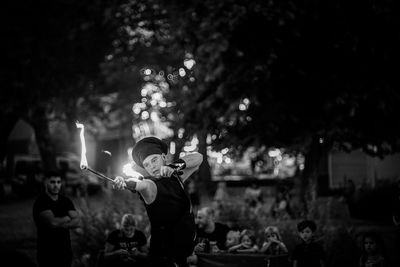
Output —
<point x="204" y="171"/>
<point x="40" y="125"/>
<point x="8" y="122"/>
<point x="309" y="178"/>
<point x="73" y="133"/>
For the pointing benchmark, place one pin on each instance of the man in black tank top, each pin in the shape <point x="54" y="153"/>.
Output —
<point x="167" y="203"/>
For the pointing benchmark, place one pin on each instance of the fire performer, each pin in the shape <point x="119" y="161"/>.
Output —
<point x="166" y="201"/>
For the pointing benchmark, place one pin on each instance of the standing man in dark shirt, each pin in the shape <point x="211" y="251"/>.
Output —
<point x="54" y="215"/>
<point x="209" y="231"/>
<point x="166" y="201"/>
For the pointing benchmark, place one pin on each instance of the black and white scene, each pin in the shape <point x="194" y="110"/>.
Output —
<point x="229" y="133"/>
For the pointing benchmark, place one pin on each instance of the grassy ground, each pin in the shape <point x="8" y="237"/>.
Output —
<point x="17" y="229"/>
<point x="18" y="232"/>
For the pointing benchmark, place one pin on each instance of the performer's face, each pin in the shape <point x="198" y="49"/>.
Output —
<point x="153" y="164"/>
<point x="53" y="185"/>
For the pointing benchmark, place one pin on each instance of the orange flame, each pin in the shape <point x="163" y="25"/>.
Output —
<point x="84" y="163"/>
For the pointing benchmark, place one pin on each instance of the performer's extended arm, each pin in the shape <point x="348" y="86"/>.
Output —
<point x="146" y="187"/>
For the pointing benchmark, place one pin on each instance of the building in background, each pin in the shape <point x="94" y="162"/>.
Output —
<point x="361" y="168"/>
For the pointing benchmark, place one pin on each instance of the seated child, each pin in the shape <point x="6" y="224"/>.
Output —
<point x="273" y="244"/>
<point x="372" y="251"/>
<point x="247" y="243"/>
<point x="308" y="253"/>
<point x="232" y="239"/>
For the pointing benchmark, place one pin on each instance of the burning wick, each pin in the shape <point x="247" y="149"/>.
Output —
<point x="84" y="163"/>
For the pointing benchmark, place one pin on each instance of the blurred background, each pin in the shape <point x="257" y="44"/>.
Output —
<point x="297" y="98"/>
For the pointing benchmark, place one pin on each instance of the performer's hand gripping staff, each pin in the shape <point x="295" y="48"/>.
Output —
<point x="137" y="183"/>
<point x="131" y="183"/>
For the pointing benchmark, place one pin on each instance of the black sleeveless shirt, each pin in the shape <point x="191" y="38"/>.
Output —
<point x="172" y="222"/>
<point x="171" y="203"/>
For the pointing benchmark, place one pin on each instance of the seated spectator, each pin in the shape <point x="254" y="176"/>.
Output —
<point x="232" y="239"/>
<point x="221" y="192"/>
<point x="221" y="197"/>
<point x="247" y="243"/>
<point x="273" y="244"/>
<point x="126" y="246"/>
<point x="253" y="196"/>
<point x="193" y="195"/>
<point x="308" y="253"/>
<point x="372" y="251"/>
<point x="280" y="208"/>
<point x="209" y="230"/>
<point x="349" y="195"/>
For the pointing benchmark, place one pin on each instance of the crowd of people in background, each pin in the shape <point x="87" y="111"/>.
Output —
<point x="255" y="201"/>
<point x="127" y="245"/>
<point x="217" y="237"/>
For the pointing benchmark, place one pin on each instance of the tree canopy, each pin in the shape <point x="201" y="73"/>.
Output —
<point x="273" y="73"/>
<point x="289" y="73"/>
<point x="52" y="52"/>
